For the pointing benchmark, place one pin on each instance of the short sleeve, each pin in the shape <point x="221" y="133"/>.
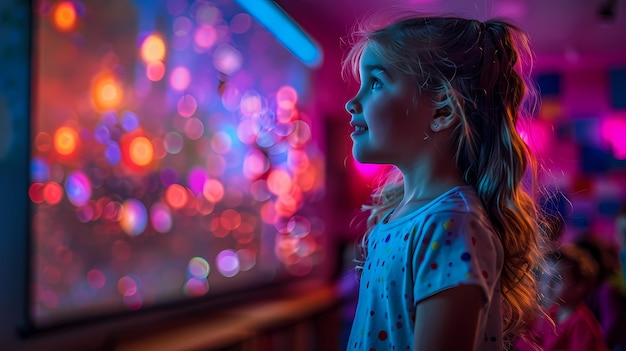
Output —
<point x="454" y="249"/>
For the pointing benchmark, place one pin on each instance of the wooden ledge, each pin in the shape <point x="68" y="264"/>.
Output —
<point x="238" y="325"/>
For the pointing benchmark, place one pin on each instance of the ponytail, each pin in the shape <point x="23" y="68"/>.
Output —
<point x="501" y="166"/>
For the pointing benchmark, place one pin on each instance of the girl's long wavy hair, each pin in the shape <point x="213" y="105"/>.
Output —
<point x="483" y="68"/>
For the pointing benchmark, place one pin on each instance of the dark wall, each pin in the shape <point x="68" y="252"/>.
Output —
<point x="14" y="86"/>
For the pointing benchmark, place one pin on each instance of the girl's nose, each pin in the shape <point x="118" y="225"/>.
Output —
<point x="353" y="106"/>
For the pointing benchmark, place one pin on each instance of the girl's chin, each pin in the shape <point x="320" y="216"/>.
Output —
<point x="358" y="156"/>
<point x="363" y="158"/>
<point x="363" y="153"/>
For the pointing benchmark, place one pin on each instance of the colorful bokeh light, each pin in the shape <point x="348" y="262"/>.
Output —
<point x="213" y="190"/>
<point x="141" y="151"/>
<point x="228" y="263"/>
<point x="64" y="16"/>
<point x="155" y="70"/>
<point x="65" y="141"/>
<point x="96" y="278"/>
<point x="52" y="193"/>
<point x="180" y="78"/>
<point x="196" y="287"/>
<point x="198" y="268"/>
<point x="107" y="92"/>
<point x="286" y="97"/>
<point x="161" y="217"/>
<point x="134" y="217"/>
<point x="176" y="196"/>
<point x="153" y="49"/>
<point x="78" y="188"/>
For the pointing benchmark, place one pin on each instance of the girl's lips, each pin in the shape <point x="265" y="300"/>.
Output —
<point x="358" y="130"/>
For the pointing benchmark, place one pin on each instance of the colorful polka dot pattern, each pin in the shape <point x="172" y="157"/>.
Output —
<point x="442" y="246"/>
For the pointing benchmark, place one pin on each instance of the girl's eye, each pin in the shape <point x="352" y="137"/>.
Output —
<point x="376" y="83"/>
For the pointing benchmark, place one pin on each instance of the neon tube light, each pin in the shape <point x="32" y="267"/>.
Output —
<point x="285" y="29"/>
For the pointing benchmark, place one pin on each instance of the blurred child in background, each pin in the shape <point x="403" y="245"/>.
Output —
<point x="616" y="335"/>
<point x="605" y="299"/>
<point x="573" y="326"/>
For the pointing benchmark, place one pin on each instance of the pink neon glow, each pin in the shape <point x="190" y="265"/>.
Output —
<point x="612" y="132"/>
<point x="537" y="135"/>
<point x="367" y="170"/>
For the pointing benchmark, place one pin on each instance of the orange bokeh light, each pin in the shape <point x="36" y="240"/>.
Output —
<point x="107" y="92"/>
<point x="65" y="141"/>
<point x="64" y="16"/>
<point x="213" y="190"/>
<point x="139" y="154"/>
<point x="153" y="48"/>
<point x="307" y="179"/>
<point x="176" y="196"/>
<point x="279" y="182"/>
<point x="286" y="205"/>
<point x="141" y="151"/>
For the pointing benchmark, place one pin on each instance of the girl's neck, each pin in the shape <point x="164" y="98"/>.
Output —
<point x="424" y="187"/>
<point x="414" y="199"/>
<point x="429" y="176"/>
<point x="425" y="179"/>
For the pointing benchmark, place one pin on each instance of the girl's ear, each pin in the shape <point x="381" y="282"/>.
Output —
<point x="445" y="117"/>
<point x="443" y="120"/>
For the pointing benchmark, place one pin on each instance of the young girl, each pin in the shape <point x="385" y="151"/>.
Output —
<point x="453" y="236"/>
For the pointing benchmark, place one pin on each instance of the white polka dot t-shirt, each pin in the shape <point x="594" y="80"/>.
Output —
<point x="444" y="244"/>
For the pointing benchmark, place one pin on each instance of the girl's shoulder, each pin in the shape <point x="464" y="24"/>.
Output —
<point x="461" y="206"/>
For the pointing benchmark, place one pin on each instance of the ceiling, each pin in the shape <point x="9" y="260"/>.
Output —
<point x="562" y="32"/>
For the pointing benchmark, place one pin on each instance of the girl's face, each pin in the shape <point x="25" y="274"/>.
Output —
<point x="389" y="118"/>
